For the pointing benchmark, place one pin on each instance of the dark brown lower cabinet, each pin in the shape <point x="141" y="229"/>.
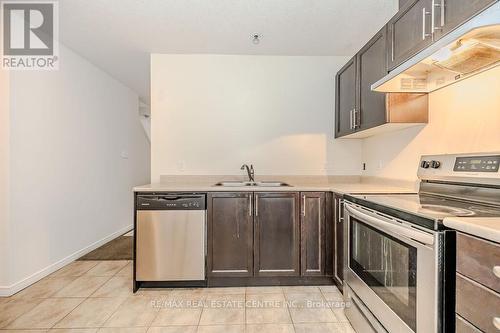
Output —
<point x="269" y="235"/>
<point x="476" y="258"/>
<point x="338" y="231"/>
<point x="312" y="231"/>
<point x="230" y="234"/>
<point x="477" y="304"/>
<point x="276" y="235"/>
<point x="477" y="285"/>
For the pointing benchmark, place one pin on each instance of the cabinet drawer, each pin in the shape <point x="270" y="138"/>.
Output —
<point x="463" y="326"/>
<point x="476" y="259"/>
<point x="477" y="304"/>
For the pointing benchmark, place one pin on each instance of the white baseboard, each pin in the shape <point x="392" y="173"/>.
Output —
<point x="6" y="291"/>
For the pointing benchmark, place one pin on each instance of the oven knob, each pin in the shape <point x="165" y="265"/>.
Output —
<point x="425" y="164"/>
<point x="435" y="164"/>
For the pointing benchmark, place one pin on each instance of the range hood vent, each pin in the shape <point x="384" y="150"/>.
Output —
<point x="470" y="49"/>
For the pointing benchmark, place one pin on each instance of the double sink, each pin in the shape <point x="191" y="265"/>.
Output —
<point x="256" y="184"/>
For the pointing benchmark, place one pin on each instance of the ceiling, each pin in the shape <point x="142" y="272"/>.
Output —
<point x="119" y="35"/>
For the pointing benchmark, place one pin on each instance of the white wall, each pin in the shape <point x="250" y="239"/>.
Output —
<point x="464" y="117"/>
<point x="70" y="185"/>
<point x="4" y="176"/>
<point x="211" y="113"/>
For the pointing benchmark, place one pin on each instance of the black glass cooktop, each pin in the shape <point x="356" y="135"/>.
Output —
<point x="425" y="207"/>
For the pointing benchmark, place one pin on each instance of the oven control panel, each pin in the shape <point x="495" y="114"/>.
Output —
<point x="477" y="164"/>
<point x="474" y="168"/>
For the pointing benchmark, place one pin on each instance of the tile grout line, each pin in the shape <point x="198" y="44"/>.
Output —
<point x="111" y="315"/>
<point x="88" y="297"/>
<point x="289" y="312"/>
<point x="77" y="305"/>
<point x="158" y="312"/>
<point x="147" y="327"/>
<point x="245" y="313"/>
<point x="201" y="313"/>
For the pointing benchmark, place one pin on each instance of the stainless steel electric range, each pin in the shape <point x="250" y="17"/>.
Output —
<point x="400" y="259"/>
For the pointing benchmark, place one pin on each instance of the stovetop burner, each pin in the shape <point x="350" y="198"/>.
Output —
<point x="451" y="185"/>
<point x="424" y="206"/>
<point x="446" y="210"/>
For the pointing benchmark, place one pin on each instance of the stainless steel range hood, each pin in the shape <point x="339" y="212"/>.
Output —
<point x="468" y="50"/>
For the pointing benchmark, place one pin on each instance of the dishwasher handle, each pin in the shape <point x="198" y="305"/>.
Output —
<point x="171" y="201"/>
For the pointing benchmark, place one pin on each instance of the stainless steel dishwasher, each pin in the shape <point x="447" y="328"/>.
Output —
<point x="170" y="237"/>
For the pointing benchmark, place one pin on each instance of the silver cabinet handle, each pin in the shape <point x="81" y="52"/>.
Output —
<point x="353" y="119"/>
<point x="442" y="7"/>
<point x="256" y="205"/>
<point x="350" y="119"/>
<point x="356" y="118"/>
<point x="237" y="228"/>
<point x="303" y="205"/>
<point x="433" y="15"/>
<point x="496" y="322"/>
<point x="424" y="24"/>
<point x="339" y="210"/>
<point x="496" y="271"/>
<point x="250" y="205"/>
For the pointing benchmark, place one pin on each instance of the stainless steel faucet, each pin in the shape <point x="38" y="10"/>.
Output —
<point x="250" y="172"/>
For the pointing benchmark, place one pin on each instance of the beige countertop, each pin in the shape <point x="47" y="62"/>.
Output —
<point x="484" y="227"/>
<point x="337" y="184"/>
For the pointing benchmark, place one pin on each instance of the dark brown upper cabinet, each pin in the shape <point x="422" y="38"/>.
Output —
<point x="312" y="231"/>
<point x="409" y="32"/>
<point x="345" y="99"/>
<point x="371" y="67"/>
<point x="449" y="14"/>
<point x="230" y="234"/>
<point x="403" y="3"/>
<point x="277" y="234"/>
<point x="361" y="112"/>
<point x="419" y="23"/>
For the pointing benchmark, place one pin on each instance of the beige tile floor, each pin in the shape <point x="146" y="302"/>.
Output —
<point x="96" y="296"/>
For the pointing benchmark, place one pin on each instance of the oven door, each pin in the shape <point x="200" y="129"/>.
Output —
<point x="392" y="267"/>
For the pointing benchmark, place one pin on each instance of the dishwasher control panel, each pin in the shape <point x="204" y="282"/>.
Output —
<point x="171" y="201"/>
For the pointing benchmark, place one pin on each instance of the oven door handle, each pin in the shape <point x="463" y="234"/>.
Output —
<point x="391" y="227"/>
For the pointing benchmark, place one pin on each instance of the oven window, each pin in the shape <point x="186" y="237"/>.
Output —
<point x="388" y="266"/>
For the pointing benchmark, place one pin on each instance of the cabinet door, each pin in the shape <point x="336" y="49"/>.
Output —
<point x="449" y="14"/>
<point x="372" y="66"/>
<point x="338" y="230"/>
<point x="409" y="32"/>
<point x="345" y="98"/>
<point x="312" y="233"/>
<point x="276" y="240"/>
<point x="403" y="3"/>
<point x="230" y="234"/>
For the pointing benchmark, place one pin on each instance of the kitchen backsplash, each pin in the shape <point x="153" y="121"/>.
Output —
<point x="463" y="118"/>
